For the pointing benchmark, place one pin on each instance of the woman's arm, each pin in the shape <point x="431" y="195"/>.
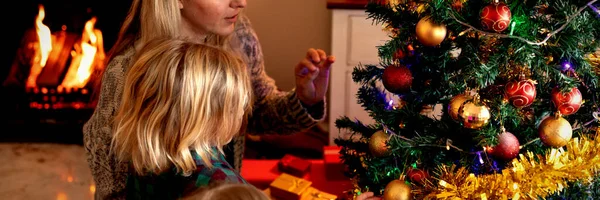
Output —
<point x="274" y="111"/>
<point x="109" y="174"/>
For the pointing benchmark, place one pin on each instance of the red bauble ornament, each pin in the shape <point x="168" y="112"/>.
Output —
<point x="507" y="148"/>
<point x="417" y="175"/>
<point x="520" y="93"/>
<point x="495" y="17"/>
<point x="397" y="79"/>
<point x="567" y="103"/>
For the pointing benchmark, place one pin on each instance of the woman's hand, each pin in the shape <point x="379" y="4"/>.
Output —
<point x="312" y="76"/>
<point x="367" y="196"/>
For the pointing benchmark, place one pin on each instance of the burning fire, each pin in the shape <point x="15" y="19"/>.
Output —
<point x="45" y="47"/>
<point x="90" y="49"/>
<point x="87" y="54"/>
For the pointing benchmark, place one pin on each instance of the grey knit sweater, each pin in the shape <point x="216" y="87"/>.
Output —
<point x="274" y="112"/>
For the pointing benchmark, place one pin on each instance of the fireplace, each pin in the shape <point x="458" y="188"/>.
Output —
<point x="48" y="81"/>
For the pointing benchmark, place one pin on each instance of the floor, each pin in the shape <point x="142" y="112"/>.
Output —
<point x="44" y="171"/>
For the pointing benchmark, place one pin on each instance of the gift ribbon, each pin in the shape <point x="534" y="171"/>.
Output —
<point x="295" y="183"/>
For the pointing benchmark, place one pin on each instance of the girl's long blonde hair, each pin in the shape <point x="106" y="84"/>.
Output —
<point x="180" y="96"/>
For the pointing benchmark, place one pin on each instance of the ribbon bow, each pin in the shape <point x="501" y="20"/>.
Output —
<point x="296" y="183"/>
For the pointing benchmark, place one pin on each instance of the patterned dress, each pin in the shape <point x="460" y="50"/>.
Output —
<point x="173" y="185"/>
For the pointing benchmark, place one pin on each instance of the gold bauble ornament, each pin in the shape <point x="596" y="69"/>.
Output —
<point x="555" y="131"/>
<point x="378" y="144"/>
<point x="473" y="114"/>
<point x="397" y="190"/>
<point x="429" y="33"/>
<point x="455" y="104"/>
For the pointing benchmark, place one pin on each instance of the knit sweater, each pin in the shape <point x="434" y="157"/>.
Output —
<point x="273" y="112"/>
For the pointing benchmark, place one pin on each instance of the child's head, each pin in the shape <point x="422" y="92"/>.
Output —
<point x="179" y="96"/>
<point x="228" y="191"/>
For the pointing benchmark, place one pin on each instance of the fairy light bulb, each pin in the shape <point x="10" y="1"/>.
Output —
<point x="512" y="27"/>
<point x="594" y="9"/>
<point x="443" y="183"/>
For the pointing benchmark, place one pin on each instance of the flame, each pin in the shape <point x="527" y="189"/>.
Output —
<point x="87" y="55"/>
<point x="45" y="47"/>
<point x="44" y="36"/>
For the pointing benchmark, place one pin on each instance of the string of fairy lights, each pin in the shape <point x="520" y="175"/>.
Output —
<point x="456" y="178"/>
<point x="449" y="145"/>
<point x="541" y="42"/>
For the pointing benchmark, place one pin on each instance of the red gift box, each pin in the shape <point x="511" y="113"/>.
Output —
<point x="294" y="165"/>
<point x="334" y="167"/>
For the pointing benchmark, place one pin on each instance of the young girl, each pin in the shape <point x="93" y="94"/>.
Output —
<point x="182" y="102"/>
<point x="231" y="191"/>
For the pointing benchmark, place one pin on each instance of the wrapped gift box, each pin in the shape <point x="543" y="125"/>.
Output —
<point x="310" y="193"/>
<point x="261" y="173"/>
<point x="314" y="194"/>
<point x="334" y="167"/>
<point x="288" y="187"/>
<point x="294" y="165"/>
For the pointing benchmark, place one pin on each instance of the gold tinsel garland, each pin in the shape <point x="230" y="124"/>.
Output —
<point x="527" y="178"/>
<point x="594" y="59"/>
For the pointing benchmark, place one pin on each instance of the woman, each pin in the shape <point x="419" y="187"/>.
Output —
<point x="213" y="22"/>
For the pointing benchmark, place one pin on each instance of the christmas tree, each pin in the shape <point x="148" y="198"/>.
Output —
<point x="516" y="83"/>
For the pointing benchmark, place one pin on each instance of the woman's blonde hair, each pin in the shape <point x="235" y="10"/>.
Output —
<point x="228" y="191"/>
<point x="145" y="21"/>
<point x="149" y="19"/>
<point x="180" y="96"/>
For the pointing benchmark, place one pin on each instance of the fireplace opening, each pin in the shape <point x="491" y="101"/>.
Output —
<point x="49" y="80"/>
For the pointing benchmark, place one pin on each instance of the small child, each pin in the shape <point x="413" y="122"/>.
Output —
<point x="228" y="192"/>
<point x="182" y="102"/>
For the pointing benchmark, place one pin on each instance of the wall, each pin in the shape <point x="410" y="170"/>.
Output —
<point x="286" y="29"/>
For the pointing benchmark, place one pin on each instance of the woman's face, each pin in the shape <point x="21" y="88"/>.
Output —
<point x="210" y="16"/>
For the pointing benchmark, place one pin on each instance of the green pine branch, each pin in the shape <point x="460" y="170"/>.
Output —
<point x="485" y="63"/>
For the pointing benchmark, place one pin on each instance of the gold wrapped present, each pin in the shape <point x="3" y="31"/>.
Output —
<point x="288" y="187"/>
<point x="314" y="194"/>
